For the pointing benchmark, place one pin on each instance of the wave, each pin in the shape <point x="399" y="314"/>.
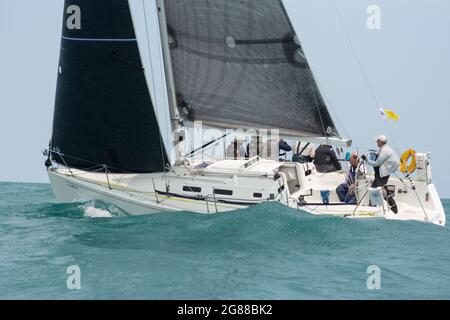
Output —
<point x="265" y="251"/>
<point x="93" y="212"/>
<point x="80" y="210"/>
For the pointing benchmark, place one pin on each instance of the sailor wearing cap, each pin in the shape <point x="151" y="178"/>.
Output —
<point x="385" y="164"/>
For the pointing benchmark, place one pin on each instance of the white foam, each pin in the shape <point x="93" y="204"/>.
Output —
<point x="92" y="212"/>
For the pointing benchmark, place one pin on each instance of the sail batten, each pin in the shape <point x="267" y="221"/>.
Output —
<point x="99" y="39"/>
<point x="240" y="64"/>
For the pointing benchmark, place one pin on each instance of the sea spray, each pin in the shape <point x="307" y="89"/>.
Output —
<point x="92" y="212"/>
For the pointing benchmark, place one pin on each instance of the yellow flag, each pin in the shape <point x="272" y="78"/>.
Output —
<point x="389" y="114"/>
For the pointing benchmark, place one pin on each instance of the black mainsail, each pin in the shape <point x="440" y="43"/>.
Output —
<point x="239" y="64"/>
<point x="103" y="110"/>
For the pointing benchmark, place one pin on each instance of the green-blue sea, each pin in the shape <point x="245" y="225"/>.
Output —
<point x="264" y="252"/>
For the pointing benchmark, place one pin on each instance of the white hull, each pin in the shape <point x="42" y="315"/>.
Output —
<point x="136" y="195"/>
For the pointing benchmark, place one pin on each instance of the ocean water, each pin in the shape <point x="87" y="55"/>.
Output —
<point x="264" y="252"/>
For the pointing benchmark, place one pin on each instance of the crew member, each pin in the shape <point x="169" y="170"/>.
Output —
<point x="346" y="191"/>
<point x="284" y="148"/>
<point x="255" y="147"/>
<point x="386" y="163"/>
<point x="303" y="152"/>
<point x="326" y="160"/>
<point x="234" y="150"/>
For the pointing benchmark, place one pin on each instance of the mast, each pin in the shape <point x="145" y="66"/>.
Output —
<point x="175" y="116"/>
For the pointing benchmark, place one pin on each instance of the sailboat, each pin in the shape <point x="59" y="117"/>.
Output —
<point x="136" y="77"/>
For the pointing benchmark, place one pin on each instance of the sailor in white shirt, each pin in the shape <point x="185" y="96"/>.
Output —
<point x="385" y="164"/>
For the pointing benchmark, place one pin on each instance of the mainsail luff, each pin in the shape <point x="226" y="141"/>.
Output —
<point x="239" y="64"/>
<point x="103" y="109"/>
<point x="168" y="64"/>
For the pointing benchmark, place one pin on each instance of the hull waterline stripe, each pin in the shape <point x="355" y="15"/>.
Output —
<point x="99" y="39"/>
<point x="225" y="201"/>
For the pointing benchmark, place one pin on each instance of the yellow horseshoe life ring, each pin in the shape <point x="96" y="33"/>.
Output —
<point x="406" y="157"/>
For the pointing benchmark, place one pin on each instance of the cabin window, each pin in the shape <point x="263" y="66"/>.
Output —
<point x="257" y="195"/>
<point x="223" y="192"/>
<point x="192" y="189"/>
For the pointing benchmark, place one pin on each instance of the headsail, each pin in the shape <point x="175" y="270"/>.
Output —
<point x="239" y="64"/>
<point x="103" y="109"/>
<point x="149" y="39"/>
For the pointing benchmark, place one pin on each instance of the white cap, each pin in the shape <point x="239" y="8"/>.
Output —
<point x="381" y="138"/>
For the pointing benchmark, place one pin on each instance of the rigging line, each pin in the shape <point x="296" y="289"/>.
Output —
<point x="421" y="204"/>
<point x="414" y="189"/>
<point x="62" y="155"/>
<point x="193" y="152"/>
<point x="163" y="157"/>
<point x="392" y="136"/>
<point x="328" y="102"/>
<point x="311" y="79"/>
<point x="363" y="71"/>
<point x="164" y="162"/>
<point x="366" y="78"/>
<point x="310" y="73"/>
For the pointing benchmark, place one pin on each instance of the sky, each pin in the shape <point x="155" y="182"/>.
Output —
<point x="406" y="62"/>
